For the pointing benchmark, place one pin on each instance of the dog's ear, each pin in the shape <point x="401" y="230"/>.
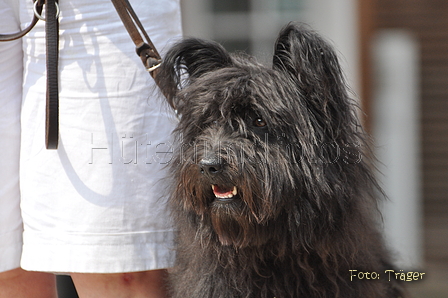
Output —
<point x="187" y="60"/>
<point x="305" y="55"/>
<point x="313" y="65"/>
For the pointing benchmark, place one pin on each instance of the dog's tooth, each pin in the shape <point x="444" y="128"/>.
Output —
<point x="234" y="191"/>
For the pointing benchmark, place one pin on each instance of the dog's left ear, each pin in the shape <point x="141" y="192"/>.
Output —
<point x="188" y="60"/>
<point x="313" y="65"/>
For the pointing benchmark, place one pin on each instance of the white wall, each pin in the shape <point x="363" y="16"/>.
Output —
<point x="396" y="131"/>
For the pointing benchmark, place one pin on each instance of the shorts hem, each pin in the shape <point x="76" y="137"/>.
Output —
<point x="98" y="253"/>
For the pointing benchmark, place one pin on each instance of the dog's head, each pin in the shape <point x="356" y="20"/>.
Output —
<point x="262" y="148"/>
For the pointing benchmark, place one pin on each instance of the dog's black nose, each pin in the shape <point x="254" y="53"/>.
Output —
<point x="210" y="166"/>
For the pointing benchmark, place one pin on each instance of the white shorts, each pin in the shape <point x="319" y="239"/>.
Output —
<point x="98" y="203"/>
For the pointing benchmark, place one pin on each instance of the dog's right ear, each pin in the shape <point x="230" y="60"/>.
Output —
<point x="186" y="61"/>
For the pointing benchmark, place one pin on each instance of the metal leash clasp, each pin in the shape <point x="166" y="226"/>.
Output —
<point x="41" y="4"/>
<point x="149" y="57"/>
<point x="152" y="68"/>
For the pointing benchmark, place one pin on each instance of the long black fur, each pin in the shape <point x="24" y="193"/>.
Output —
<point x="287" y="137"/>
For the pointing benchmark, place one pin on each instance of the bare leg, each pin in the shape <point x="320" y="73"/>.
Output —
<point x="147" y="284"/>
<point x="19" y="283"/>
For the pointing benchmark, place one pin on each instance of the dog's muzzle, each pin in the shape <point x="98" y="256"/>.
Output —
<point x="212" y="167"/>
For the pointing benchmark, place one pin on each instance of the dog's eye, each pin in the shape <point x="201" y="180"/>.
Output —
<point x="259" y="122"/>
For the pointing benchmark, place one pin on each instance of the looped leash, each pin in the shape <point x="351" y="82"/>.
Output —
<point x="145" y="49"/>
<point x="38" y="13"/>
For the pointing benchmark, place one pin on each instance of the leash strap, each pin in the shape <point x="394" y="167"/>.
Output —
<point x="52" y="104"/>
<point x="145" y="49"/>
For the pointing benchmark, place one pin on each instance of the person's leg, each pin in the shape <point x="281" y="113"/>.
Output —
<point x="146" y="284"/>
<point x="19" y="283"/>
<point x="87" y="220"/>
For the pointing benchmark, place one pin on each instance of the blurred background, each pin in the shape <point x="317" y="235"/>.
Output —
<point x="395" y="57"/>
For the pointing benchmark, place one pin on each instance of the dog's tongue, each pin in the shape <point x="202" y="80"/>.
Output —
<point x="224" y="193"/>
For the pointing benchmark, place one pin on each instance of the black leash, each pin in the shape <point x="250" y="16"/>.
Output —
<point x="144" y="47"/>
<point x="52" y="43"/>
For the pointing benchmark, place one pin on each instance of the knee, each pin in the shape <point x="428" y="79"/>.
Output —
<point x="155" y="277"/>
<point x="132" y="284"/>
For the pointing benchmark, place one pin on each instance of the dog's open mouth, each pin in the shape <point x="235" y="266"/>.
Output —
<point x="224" y="193"/>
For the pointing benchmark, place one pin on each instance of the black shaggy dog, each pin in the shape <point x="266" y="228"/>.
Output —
<point x="273" y="193"/>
